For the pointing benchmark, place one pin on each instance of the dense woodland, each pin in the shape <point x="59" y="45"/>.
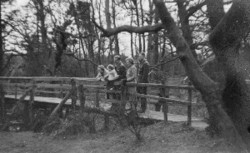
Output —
<point x="208" y="37"/>
<point x="64" y="33"/>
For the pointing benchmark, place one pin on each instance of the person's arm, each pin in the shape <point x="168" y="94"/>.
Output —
<point x="98" y="77"/>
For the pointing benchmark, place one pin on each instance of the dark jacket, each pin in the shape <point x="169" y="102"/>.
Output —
<point x="121" y="71"/>
<point x="143" y="71"/>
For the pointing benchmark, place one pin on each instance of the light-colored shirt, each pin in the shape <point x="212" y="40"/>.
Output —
<point x="131" y="74"/>
<point x="112" y="75"/>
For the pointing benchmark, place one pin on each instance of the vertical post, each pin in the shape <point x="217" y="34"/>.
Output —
<point x="189" y="107"/>
<point x="3" y="111"/>
<point x="106" y="122"/>
<point x="31" y="103"/>
<point x="61" y="89"/>
<point x="74" y="94"/>
<point x="164" y="103"/>
<point x="81" y="97"/>
<point x="123" y="98"/>
<point x="97" y="103"/>
<point x="15" y="91"/>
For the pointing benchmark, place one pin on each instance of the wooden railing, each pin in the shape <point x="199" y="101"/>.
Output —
<point x="88" y="89"/>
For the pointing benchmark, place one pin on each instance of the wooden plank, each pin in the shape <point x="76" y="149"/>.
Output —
<point x="160" y="85"/>
<point x="17" y="84"/>
<point x="47" y="92"/>
<point x="94" y="86"/>
<point x="169" y="100"/>
<point x="171" y="117"/>
<point x="53" y="86"/>
<point x="39" y="99"/>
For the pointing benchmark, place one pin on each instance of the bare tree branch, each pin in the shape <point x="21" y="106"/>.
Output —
<point x="81" y="59"/>
<point x="195" y="8"/>
<point x="130" y="29"/>
<point x="165" y="62"/>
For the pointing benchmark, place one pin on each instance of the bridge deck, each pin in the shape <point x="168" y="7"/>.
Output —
<point x="196" y="122"/>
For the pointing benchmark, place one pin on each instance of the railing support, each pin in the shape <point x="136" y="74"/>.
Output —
<point x="31" y="102"/>
<point x="106" y="122"/>
<point x="74" y="94"/>
<point x="164" y="103"/>
<point x="3" y="111"/>
<point x="97" y="101"/>
<point x="59" y="106"/>
<point x="82" y="97"/>
<point x="123" y="98"/>
<point x="189" y="108"/>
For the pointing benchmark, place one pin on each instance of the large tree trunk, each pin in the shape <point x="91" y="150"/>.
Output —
<point x="138" y="23"/>
<point x="153" y="38"/>
<point x="1" y="43"/>
<point x="117" y="49"/>
<point x="210" y="90"/>
<point x="225" y="41"/>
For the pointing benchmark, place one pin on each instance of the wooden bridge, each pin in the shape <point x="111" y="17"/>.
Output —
<point x="88" y="94"/>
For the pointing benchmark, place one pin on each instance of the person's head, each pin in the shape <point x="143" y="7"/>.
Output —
<point x="110" y="67"/>
<point x="129" y="61"/>
<point x="117" y="59"/>
<point x="141" y="56"/>
<point x="100" y="68"/>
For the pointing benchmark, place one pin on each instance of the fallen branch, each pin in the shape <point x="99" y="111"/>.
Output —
<point x="59" y="106"/>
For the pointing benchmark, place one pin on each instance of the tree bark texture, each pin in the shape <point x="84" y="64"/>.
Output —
<point x="226" y="40"/>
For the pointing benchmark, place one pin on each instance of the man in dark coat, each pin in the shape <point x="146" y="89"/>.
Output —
<point x="143" y="78"/>
<point x="121" y="74"/>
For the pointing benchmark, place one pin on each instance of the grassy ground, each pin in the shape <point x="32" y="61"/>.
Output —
<point x="158" y="138"/>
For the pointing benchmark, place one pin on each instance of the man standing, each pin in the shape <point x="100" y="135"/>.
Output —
<point x="143" y="78"/>
<point x="121" y="74"/>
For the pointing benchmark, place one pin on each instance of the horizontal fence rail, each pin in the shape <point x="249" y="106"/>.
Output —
<point x="95" y="91"/>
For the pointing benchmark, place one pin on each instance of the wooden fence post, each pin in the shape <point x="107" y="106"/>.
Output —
<point x="82" y="97"/>
<point x="31" y="102"/>
<point x="61" y="89"/>
<point x="123" y="98"/>
<point x="3" y="111"/>
<point x="189" y="107"/>
<point x="74" y="94"/>
<point x="165" y="104"/>
<point x="106" y="122"/>
<point x="97" y="102"/>
<point x="15" y="91"/>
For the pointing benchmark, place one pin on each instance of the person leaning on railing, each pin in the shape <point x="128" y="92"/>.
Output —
<point x="102" y="73"/>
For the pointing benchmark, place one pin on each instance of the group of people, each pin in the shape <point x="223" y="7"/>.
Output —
<point x="120" y="73"/>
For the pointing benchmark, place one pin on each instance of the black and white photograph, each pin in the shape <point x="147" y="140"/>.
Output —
<point x="124" y="76"/>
